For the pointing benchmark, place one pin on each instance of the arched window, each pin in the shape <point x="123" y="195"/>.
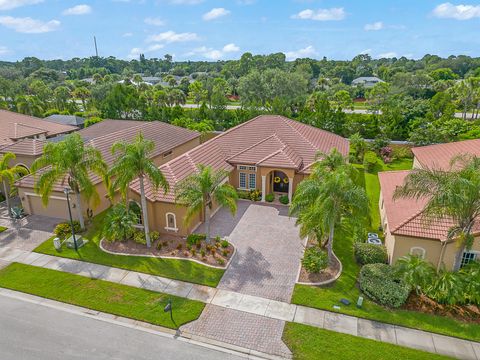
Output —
<point x="418" y="251"/>
<point x="171" y="222"/>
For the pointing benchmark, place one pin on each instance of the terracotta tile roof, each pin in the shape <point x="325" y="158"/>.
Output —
<point x="439" y="156"/>
<point x="165" y="136"/>
<point x="107" y="126"/>
<point x="267" y="140"/>
<point x="32" y="147"/>
<point x="14" y="126"/>
<point x="406" y="216"/>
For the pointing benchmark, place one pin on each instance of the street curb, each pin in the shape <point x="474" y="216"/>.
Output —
<point x="142" y="326"/>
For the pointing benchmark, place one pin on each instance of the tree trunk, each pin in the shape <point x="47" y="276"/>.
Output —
<point x="144" y="212"/>
<point x="7" y="199"/>
<point x="80" y="211"/>
<point x="207" y="224"/>
<point x="330" y="244"/>
<point x="458" y="258"/>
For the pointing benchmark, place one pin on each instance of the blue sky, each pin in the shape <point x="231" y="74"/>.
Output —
<point x="213" y="29"/>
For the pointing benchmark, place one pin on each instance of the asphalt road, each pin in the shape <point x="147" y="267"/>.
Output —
<point x="35" y="332"/>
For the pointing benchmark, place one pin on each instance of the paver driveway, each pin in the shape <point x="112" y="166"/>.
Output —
<point x="268" y="250"/>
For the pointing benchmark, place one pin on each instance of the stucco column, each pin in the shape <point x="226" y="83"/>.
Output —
<point x="290" y="189"/>
<point x="264" y="183"/>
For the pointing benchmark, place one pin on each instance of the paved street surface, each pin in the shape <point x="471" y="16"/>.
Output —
<point x="35" y="332"/>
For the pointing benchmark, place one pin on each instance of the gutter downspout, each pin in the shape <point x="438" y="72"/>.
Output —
<point x="442" y="254"/>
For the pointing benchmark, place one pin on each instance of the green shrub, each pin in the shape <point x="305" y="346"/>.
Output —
<point x="370" y="160"/>
<point x="195" y="239"/>
<point x="402" y="152"/>
<point x="315" y="260"/>
<point x="269" y="197"/>
<point x="154" y="235"/>
<point x="284" y="199"/>
<point x="220" y="262"/>
<point x="139" y="237"/>
<point x="378" y="282"/>
<point x="255" y="195"/>
<point x="370" y="254"/>
<point x="224" y="244"/>
<point x="64" y="230"/>
<point x="243" y="194"/>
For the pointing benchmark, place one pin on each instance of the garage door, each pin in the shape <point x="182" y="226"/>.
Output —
<point x="56" y="208"/>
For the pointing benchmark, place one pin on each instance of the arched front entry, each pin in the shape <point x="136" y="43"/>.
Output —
<point x="279" y="181"/>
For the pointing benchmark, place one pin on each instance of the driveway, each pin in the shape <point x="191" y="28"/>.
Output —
<point x="268" y="250"/>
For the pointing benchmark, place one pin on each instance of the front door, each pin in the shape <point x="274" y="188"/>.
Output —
<point x="280" y="182"/>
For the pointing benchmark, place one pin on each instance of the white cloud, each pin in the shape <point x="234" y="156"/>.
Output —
<point x="388" y="55"/>
<point x="334" y="14"/>
<point x="127" y="34"/>
<point x="78" y="10"/>
<point x="4" y="50"/>
<point x="366" y="51"/>
<point x="230" y="48"/>
<point x="12" y="4"/>
<point x="458" y="12"/>
<point x="135" y="52"/>
<point x="214" y="54"/>
<point x="374" y="26"/>
<point x="172" y="37"/>
<point x="301" y="53"/>
<point x="28" y="25"/>
<point x="154" y="21"/>
<point x="215" y="13"/>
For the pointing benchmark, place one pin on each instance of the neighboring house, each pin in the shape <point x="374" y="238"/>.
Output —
<point x="171" y="141"/>
<point x="366" y="81"/>
<point x="269" y="153"/>
<point x="403" y="222"/>
<point x="67" y="120"/>
<point x="25" y="135"/>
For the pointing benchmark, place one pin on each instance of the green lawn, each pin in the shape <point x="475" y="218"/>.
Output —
<point x="307" y="342"/>
<point x="346" y="285"/>
<point x="121" y="300"/>
<point x="174" y="269"/>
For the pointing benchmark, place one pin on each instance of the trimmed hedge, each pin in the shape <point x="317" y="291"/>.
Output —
<point x="63" y="230"/>
<point x="370" y="254"/>
<point x="315" y="260"/>
<point x="378" y="282"/>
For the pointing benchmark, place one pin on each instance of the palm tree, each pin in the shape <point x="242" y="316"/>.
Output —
<point x="8" y="174"/>
<point x="29" y="105"/>
<point x="69" y="158"/>
<point x="323" y="203"/>
<point x="119" y="223"/>
<point x="134" y="161"/>
<point x="201" y="190"/>
<point x="416" y="272"/>
<point x="453" y="194"/>
<point x="83" y="94"/>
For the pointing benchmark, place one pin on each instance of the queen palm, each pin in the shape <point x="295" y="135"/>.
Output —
<point x="72" y="160"/>
<point x="8" y="174"/>
<point x="453" y="194"/>
<point x="133" y="161"/>
<point x="199" y="191"/>
<point x="324" y="203"/>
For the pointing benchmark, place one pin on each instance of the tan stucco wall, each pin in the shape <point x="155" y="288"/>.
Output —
<point x="416" y="164"/>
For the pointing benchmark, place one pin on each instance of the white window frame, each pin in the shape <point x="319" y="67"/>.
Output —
<point x="418" y="248"/>
<point x="240" y="180"/>
<point x="175" y="228"/>
<point x="247" y="168"/>
<point x="476" y="256"/>
<point x="250" y="177"/>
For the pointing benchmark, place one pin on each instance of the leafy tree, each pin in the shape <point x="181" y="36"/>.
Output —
<point x="359" y="146"/>
<point x="197" y="92"/>
<point x="199" y="191"/>
<point x="8" y="174"/>
<point x="83" y="94"/>
<point x="133" y="161"/>
<point x="443" y="74"/>
<point x="73" y="160"/>
<point x="29" y="105"/>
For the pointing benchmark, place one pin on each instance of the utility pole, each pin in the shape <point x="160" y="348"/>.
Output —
<point x="95" y="42"/>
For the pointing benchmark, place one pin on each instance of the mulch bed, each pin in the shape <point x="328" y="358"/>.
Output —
<point x="424" y="304"/>
<point x="175" y="246"/>
<point x="325" y="275"/>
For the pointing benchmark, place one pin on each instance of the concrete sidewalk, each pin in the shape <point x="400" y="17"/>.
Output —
<point x="273" y="309"/>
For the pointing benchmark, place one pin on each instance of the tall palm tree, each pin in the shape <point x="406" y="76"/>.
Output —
<point x="8" y="174"/>
<point x="327" y="202"/>
<point x="453" y="194"/>
<point x="133" y="160"/>
<point x="69" y="158"/>
<point x="201" y="190"/>
<point x="29" y="105"/>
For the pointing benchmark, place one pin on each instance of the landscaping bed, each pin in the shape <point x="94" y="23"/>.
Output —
<point x="169" y="246"/>
<point x="121" y="300"/>
<point x="324" y="276"/>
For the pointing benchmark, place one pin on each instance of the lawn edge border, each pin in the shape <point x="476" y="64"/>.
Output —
<point x="170" y="257"/>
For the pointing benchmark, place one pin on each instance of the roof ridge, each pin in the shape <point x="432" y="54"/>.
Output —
<point x="406" y="221"/>
<point x="251" y="147"/>
<point x="269" y="156"/>
<point x="287" y="122"/>
<point x="30" y="126"/>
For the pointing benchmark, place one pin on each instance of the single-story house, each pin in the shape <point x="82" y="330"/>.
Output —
<point x="73" y="120"/>
<point x="269" y="153"/>
<point x="171" y="141"/>
<point x="405" y="229"/>
<point x="366" y="81"/>
<point x="25" y="135"/>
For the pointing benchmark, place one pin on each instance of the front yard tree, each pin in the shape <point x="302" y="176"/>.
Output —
<point x="453" y="194"/>
<point x="133" y="161"/>
<point x="119" y="223"/>
<point x="8" y="175"/>
<point x="201" y="190"/>
<point x="69" y="158"/>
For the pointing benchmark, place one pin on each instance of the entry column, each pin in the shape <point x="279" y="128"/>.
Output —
<point x="290" y="189"/>
<point x="263" y="187"/>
